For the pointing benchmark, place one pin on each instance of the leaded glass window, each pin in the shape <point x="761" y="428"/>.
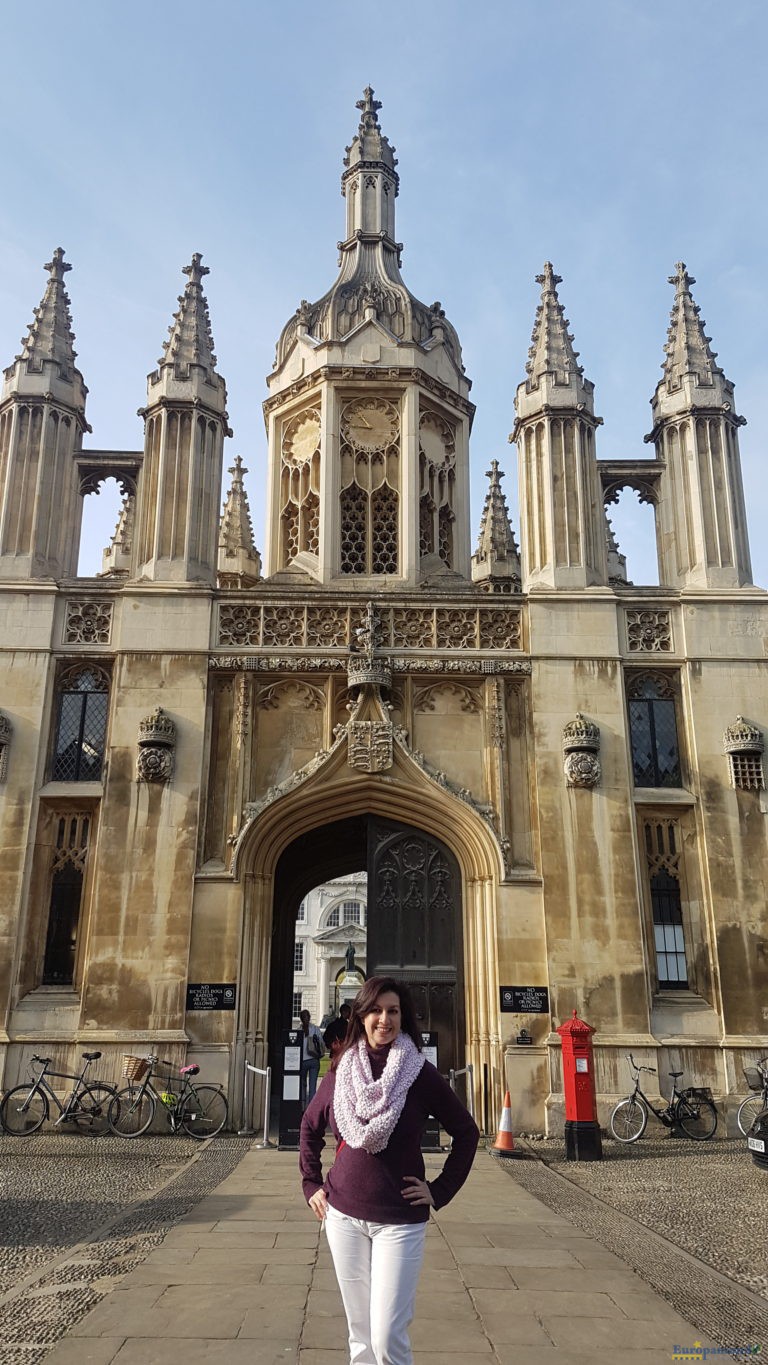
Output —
<point x="653" y="730"/>
<point x="81" y="725"/>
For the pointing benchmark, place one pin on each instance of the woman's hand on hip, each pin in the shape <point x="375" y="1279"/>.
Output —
<point x="417" y="1191"/>
<point x="318" y="1204"/>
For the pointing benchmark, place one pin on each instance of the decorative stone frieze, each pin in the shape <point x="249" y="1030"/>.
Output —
<point x="6" y="731"/>
<point x="744" y="745"/>
<point x="157" y="745"/>
<point x="581" y="744"/>
<point x="279" y="625"/>
<point x="88" y="623"/>
<point x="649" y="631"/>
<point x="304" y="663"/>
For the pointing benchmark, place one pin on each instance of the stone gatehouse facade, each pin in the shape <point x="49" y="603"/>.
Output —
<point x="551" y="777"/>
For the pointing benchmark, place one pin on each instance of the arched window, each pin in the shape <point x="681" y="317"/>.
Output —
<point x="67" y="875"/>
<point x="349" y="912"/>
<point x="81" y="724"/>
<point x="653" y="730"/>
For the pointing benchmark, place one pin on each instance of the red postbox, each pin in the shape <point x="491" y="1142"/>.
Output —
<point x="582" y="1130"/>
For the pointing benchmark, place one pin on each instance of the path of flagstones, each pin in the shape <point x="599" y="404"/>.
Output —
<point x="125" y="1251"/>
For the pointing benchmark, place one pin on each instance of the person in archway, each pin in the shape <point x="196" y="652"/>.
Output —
<point x="312" y="1049"/>
<point x="336" y="1031"/>
<point x="375" y="1201"/>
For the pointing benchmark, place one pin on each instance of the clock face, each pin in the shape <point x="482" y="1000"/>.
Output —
<point x="302" y="437"/>
<point x="436" y="440"/>
<point x="369" y="424"/>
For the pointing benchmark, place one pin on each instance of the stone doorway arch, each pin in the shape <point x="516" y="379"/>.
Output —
<point x="334" y="793"/>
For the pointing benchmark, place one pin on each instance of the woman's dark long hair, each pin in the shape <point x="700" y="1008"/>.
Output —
<point x="364" y="1002"/>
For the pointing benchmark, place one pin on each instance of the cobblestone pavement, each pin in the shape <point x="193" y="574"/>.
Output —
<point x="78" y="1214"/>
<point x="699" y="1205"/>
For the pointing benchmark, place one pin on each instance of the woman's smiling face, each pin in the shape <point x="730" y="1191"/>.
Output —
<point x="382" y="1022"/>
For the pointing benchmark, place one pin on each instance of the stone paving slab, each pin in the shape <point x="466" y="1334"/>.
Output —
<point x="247" y="1275"/>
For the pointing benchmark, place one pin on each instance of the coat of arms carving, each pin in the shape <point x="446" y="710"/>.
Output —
<point x="369" y="745"/>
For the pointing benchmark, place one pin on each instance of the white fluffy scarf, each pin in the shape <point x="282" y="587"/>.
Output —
<point x="366" y="1110"/>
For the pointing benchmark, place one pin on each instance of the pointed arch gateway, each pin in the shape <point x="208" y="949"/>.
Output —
<point x="431" y="904"/>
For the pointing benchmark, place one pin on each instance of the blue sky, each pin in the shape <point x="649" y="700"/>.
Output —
<point x="611" y="138"/>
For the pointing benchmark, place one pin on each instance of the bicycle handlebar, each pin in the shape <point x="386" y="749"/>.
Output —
<point x="635" y="1066"/>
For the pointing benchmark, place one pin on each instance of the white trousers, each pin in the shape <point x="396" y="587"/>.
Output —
<point x="377" y="1266"/>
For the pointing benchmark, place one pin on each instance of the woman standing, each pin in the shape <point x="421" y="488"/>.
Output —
<point x="375" y="1202"/>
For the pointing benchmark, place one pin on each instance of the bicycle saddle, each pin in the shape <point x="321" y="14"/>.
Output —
<point x="91" y="1056"/>
<point x="44" y="1060"/>
<point x="191" y="1070"/>
<point x="675" y="1074"/>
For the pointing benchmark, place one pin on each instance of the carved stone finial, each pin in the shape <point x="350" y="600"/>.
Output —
<point x="195" y="270"/>
<point x="157" y="742"/>
<point x="551" y="351"/>
<point x="57" y="266"/>
<point x="369" y="108"/>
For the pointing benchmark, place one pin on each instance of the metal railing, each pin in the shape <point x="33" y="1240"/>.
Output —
<point x="246" y="1131"/>
<point x="469" y="1072"/>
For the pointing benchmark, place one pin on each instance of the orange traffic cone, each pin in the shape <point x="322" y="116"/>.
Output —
<point x="505" y="1142"/>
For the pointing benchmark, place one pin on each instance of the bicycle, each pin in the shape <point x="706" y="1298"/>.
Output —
<point x="692" y="1110"/>
<point x="201" y="1110"/>
<point x="25" y="1108"/>
<point x="757" y="1079"/>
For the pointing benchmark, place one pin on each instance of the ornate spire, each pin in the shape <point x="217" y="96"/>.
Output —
<point x="687" y="348"/>
<point x="551" y="350"/>
<point x="50" y="336"/>
<point x="116" y="559"/>
<point x="370" y="145"/>
<point x="190" y="341"/>
<point x="239" y="560"/>
<point x="497" y="555"/>
<point x="369" y="286"/>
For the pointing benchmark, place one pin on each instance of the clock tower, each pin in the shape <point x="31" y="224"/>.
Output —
<point x="368" y="417"/>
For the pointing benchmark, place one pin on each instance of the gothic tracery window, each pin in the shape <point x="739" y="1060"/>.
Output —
<point x="81" y="724"/>
<point x="437" y="477"/>
<point x="66" y="892"/>
<point x="653" y="729"/>
<point x="370" y="486"/>
<point x="663" y="850"/>
<point x="300" y="486"/>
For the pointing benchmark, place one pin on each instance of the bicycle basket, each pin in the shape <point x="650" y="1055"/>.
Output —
<point x="698" y="1092"/>
<point x="135" y="1068"/>
<point x="753" y="1078"/>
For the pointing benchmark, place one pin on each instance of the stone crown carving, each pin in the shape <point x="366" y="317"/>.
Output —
<point x="365" y="665"/>
<point x="743" y="738"/>
<point x="157" y="728"/>
<point x="581" y="734"/>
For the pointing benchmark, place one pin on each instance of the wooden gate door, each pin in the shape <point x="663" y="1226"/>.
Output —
<point x="415" y="928"/>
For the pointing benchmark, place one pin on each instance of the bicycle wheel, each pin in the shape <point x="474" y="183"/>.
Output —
<point x="203" y="1111"/>
<point x="91" y="1112"/>
<point x="23" y="1110"/>
<point x="131" y="1111"/>
<point x="748" y="1111"/>
<point x="697" y="1117"/>
<point x="628" y="1119"/>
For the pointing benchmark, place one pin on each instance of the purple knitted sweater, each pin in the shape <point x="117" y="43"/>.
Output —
<point x="368" y="1185"/>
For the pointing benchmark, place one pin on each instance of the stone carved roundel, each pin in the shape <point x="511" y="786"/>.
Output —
<point x="369" y="424"/>
<point x="302" y="437"/>
<point x="436" y="439"/>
